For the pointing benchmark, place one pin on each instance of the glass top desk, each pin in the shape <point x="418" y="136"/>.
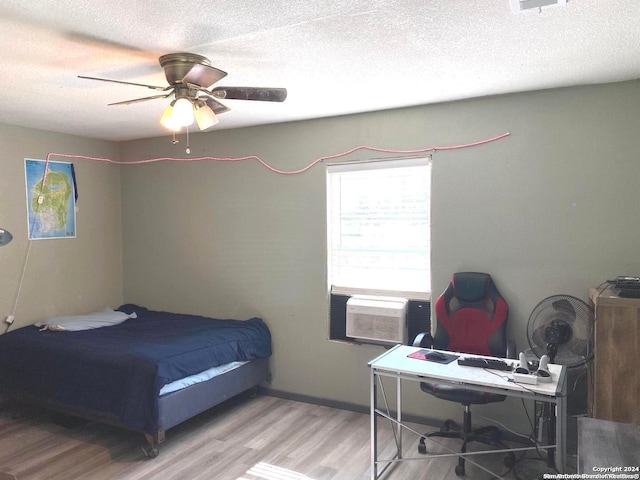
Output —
<point x="395" y="363"/>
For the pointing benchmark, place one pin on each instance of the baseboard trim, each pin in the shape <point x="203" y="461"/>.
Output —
<point x="353" y="407"/>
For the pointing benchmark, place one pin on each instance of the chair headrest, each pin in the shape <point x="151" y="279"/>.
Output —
<point x="470" y="286"/>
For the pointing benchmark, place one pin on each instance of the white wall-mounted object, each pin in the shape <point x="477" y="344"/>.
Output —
<point x="377" y="319"/>
<point x="518" y="6"/>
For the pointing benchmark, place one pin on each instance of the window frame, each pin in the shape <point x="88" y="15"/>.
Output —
<point x="363" y="165"/>
<point x="419" y="306"/>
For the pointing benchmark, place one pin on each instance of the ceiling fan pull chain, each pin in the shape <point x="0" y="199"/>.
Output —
<point x="188" y="150"/>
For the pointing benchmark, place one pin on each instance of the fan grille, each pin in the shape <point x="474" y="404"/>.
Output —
<point x="564" y="321"/>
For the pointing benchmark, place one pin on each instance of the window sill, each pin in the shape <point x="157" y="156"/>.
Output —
<point x="350" y="291"/>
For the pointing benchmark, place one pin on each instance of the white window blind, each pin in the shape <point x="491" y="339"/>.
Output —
<point x="378" y="226"/>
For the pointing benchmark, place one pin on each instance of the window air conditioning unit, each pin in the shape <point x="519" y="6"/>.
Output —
<point x="377" y="319"/>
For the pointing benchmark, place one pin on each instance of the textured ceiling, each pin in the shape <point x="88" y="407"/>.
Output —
<point x="334" y="56"/>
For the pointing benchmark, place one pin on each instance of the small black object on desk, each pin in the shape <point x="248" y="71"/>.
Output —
<point x="492" y="363"/>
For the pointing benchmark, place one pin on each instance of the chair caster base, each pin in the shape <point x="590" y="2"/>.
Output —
<point x="449" y="425"/>
<point x="422" y="448"/>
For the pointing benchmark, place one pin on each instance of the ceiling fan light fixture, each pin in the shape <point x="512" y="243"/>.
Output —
<point x="205" y="117"/>
<point x="183" y="112"/>
<point x="167" y="120"/>
<point x="190" y="79"/>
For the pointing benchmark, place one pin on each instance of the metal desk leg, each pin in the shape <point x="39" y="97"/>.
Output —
<point x="399" y="415"/>
<point x="561" y="433"/>
<point x="374" y="425"/>
<point x="551" y="417"/>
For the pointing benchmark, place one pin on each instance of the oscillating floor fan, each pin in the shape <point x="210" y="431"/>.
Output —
<point x="561" y="327"/>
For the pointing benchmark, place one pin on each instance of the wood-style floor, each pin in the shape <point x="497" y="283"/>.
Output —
<point x="264" y="438"/>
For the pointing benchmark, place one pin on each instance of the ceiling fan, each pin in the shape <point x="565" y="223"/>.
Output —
<point x="190" y="77"/>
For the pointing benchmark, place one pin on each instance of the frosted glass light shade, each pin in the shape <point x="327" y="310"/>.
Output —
<point x="205" y="117"/>
<point x="183" y="112"/>
<point x="168" y="121"/>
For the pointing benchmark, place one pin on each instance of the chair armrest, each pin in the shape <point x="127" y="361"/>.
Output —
<point x="424" y="340"/>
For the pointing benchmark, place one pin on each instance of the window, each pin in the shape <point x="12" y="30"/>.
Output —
<point x="378" y="227"/>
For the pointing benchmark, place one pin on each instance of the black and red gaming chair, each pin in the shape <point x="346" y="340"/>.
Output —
<point x="471" y="317"/>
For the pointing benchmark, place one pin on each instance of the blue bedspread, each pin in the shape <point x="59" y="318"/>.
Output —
<point x="119" y="370"/>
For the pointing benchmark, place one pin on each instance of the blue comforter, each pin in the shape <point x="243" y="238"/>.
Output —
<point x="118" y="370"/>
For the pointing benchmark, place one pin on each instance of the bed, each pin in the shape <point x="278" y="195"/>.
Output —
<point x="140" y="369"/>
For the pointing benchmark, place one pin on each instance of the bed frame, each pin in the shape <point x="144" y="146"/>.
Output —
<point x="175" y="407"/>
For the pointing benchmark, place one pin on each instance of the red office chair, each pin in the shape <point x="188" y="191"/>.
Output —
<point x="471" y="318"/>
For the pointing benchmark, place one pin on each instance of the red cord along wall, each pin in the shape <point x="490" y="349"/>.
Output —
<point x="271" y="168"/>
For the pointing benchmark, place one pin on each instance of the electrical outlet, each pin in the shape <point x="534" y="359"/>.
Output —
<point x="9" y="319"/>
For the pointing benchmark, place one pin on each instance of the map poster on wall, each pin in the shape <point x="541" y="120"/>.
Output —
<point x="51" y="198"/>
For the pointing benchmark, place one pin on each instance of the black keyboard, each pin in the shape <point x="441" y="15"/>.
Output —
<point x="492" y="363"/>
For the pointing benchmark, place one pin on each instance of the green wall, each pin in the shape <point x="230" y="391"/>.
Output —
<point x="61" y="276"/>
<point x="550" y="209"/>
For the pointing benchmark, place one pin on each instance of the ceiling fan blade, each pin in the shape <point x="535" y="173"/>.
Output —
<point x="94" y="42"/>
<point x="216" y="106"/>
<point x="251" y="93"/>
<point x="143" y="99"/>
<point x="203" y="75"/>
<point x="152" y="87"/>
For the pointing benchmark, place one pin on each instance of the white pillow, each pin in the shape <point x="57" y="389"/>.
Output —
<point x="73" y="323"/>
